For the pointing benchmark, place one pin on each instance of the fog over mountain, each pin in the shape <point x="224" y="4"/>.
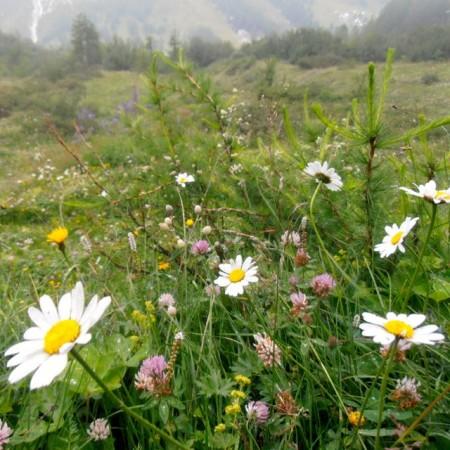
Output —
<point x="49" y="21"/>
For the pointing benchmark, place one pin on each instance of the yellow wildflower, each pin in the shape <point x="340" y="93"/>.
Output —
<point x="238" y="394"/>
<point x="190" y="223"/>
<point x="58" y="235"/>
<point x="234" y="408"/>
<point x="356" y="419"/>
<point x="220" y="428"/>
<point x="242" y="380"/>
<point x="164" y="265"/>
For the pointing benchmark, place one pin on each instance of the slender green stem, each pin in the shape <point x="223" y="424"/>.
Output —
<point x="122" y="405"/>
<point x="383" y="391"/>
<point x="423" y="414"/>
<point x="319" y="237"/>
<point x="368" y="394"/>
<point x="422" y="252"/>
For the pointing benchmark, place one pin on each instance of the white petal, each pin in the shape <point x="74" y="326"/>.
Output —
<point x="252" y="279"/>
<point x="222" y="281"/>
<point x="370" y="329"/>
<point x="26" y="353"/>
<point x="384" y="338"/>
<point x="91" y="307"/>
<point x="225" y="268"/>
<point x="77" y="302"/>
<point x="22" y="347"/>
<point x="429" y="339"/>
<point x="391" y="316"/>
<point x="83" y="338"/>
<point x="27" y="367"/>
<point x="98" y="313"/>
<point x="65" y="348"/>
<point x="427" y="329"/>
<point x="247" y="263"/>
<point x="38" y="318"/>
<point x="34" y="333"/>
<point x="48" y="308"/>
<point x="373" y="318"/>
<point x="414" y="320"/>
<point x="234" y="289"/>
<point x="239" y="261"/>
<point x="65" y="306"/>
<point x="48" y="371"/>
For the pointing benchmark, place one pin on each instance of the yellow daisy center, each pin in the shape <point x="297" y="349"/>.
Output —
<point x="61" y="333"/>
<point x="442" y="195"/>
<point x="399" y="328"/>
<point x="182" y="180"/>
<point x="396" y="238"/>
<point x="236" y="275"/>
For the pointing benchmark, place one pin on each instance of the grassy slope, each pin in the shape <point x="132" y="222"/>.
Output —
<point x="333" y="87"/>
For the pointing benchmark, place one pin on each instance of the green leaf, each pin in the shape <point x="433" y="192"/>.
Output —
<point x="224" y="440"/>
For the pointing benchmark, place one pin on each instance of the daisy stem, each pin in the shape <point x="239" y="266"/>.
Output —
<point x="319" y="238"/>
<point x="423" y="414"/>
<point x="422" y="252"/>
<point x="393" y="351"/>
<point x="122" y="405"/>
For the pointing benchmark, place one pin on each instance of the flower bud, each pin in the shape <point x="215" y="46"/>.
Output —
<point x="198" y="209"/>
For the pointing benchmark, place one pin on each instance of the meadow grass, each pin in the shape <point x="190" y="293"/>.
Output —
<point x="132" y="227"/>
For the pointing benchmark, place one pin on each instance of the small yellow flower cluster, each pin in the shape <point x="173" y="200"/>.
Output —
<point x="54" y="283"/>
<point x="220" y="428"/>
<point x="164" y="265"/>
<point x="145" y="320"/>
<point x="356" y="419"/>
<point x="242" y="380"/>
<point x="234" y="408"/>
<point x="190" y="223"/>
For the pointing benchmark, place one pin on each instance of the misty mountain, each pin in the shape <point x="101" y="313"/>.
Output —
<point x="49" y="21"/>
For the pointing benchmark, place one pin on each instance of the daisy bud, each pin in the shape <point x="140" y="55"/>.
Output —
<point x="206" y="230"/>
<point x="99" y="430"/>
<point x="132" y="242"/>
<point x="198" y="209"/>
<point x="181" y="243"/>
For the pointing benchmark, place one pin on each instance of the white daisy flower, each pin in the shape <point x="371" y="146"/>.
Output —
<point x="236" y="275"/>
<point x="183" y="178"/>
<point x="45" y="348"/>
<point x="325" y="174"/>
<point x="394" y="237"/>
<point x="429" y="192"/>
<point x="401" y="326"/>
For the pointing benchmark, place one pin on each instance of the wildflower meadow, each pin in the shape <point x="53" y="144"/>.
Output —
<point x="211" y="274"/>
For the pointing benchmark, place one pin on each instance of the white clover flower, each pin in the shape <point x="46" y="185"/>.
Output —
<point x="394" y="237"/>
<point x="399" y="326"/>
<point x="99" y="430"/>
<point x="325" y="174"/>
<point x="236" y="275"/>
<point x="46" y="346"/>
<point x="429" y="192"/>
<point x="183" y="178"/>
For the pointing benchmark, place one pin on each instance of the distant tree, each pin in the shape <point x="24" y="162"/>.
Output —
<point x="85" y="42"/>
<point x="174" y="46"/>
<point x="204" y="53"/>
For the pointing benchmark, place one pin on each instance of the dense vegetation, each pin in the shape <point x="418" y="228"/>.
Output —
<point x="136" y="234"/>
